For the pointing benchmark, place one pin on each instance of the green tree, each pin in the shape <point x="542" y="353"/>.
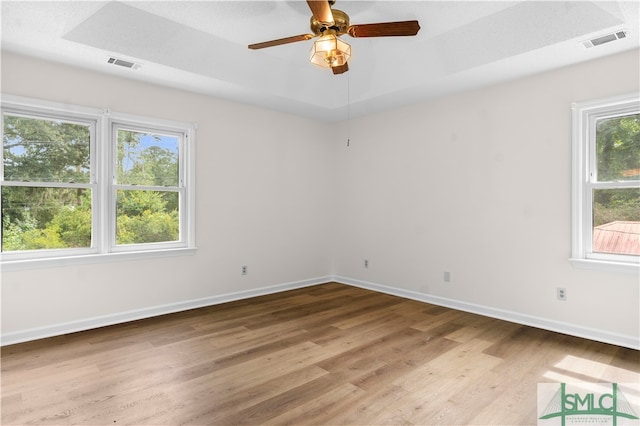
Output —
<point x="146" y="216"/>
<point x="150" y="165"/>
<point x="618" y="148"/>
<point x="143" y="217"/>
<point x="73" y="224"/>
<point x="36" y="150"/>
<point x="39" y="150"/>
<point x="69" y="226"/>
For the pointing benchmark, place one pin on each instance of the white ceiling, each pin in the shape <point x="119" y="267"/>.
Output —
<point x="202" y="46"/>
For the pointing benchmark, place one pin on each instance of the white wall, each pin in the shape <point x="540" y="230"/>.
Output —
<point x="477" y="184"/>
<point x="262" y="196"/>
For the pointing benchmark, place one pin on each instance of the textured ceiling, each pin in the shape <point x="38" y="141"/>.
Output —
<point x="202" y="46"/>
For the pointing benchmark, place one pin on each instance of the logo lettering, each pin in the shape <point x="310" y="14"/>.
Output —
<point x="573" y="402"/>
<point x="609" y="396"/>
<point x="589" y="407"/>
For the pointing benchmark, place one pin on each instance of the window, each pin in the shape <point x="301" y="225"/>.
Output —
<point x="79" y="183"/>
<point x="147" y="186"/>
<point x="606" y="184"/>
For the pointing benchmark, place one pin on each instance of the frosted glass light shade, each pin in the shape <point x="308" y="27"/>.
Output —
<point x="329" y="51"/>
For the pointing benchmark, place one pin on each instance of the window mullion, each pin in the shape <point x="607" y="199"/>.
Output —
<point x="2" y="150"/>
<point x="592" y="157"/>
<point x="615" y="185"/>
<point x="587" y="220"/>
<point x="146" y="188"/>
<point x="103" y="176"/>
<point x="71" y="185"/>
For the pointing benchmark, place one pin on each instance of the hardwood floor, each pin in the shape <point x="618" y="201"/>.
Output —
<point x="329" y="354"/>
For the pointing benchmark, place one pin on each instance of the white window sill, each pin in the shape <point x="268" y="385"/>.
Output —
<point x="55" y="262"/>
<point x="606" y="266"/>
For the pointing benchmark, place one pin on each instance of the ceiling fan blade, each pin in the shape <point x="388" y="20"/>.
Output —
<point x="321" y="10"/>
<point x="292" y="39"/>
<point x="385" y="29"/>
<point x="340" y="69"/>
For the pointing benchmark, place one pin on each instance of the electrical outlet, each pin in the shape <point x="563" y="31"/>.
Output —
<point x="562" y="293"/>
<point x="244" y="269"/>
<point x="366" y="263"/>
<point x="447" y="277"/>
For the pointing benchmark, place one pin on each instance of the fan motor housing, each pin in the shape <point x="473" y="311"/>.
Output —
<point x="340" y="26"/>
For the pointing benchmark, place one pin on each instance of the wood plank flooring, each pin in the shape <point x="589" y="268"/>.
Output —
<point x="324" y="355"/>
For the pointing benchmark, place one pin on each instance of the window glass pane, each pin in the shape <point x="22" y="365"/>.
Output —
<point x="147" y="217"/>
<point x="42" y="150"/>
<point x="147" y="159"/>
<point x="45" y="218"/>
<point x="616" y="221"/>
<point x="618" y="148"/>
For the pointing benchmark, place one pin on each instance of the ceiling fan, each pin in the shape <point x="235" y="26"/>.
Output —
<point x="329" y="24"/>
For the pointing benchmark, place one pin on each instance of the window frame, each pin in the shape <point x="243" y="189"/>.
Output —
<point x="72" y="115"/>
<point x="122" y="123"/>
<point x="103" y="185"/>
<point x="584" y="180"/>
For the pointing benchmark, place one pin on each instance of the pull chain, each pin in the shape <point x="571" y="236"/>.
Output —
<point x="348" y="109"/>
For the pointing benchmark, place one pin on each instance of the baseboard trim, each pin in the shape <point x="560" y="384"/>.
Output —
<point x="137" y="314"/>
<point x="133" y="315"/>
<point x="511" y="316"/>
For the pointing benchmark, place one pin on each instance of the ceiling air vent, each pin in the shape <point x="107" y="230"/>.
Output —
<point x="605" y="39"/>
<point x="123" y="63"/>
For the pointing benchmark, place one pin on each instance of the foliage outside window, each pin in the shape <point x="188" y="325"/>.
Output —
<point x="606" y="199"/>
<point x="91" y="183"/>
<point x="147" y="187"/>
<point x="47" y="186"/>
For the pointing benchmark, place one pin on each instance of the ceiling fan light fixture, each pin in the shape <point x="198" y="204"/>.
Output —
<point x="329" y="51"/>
